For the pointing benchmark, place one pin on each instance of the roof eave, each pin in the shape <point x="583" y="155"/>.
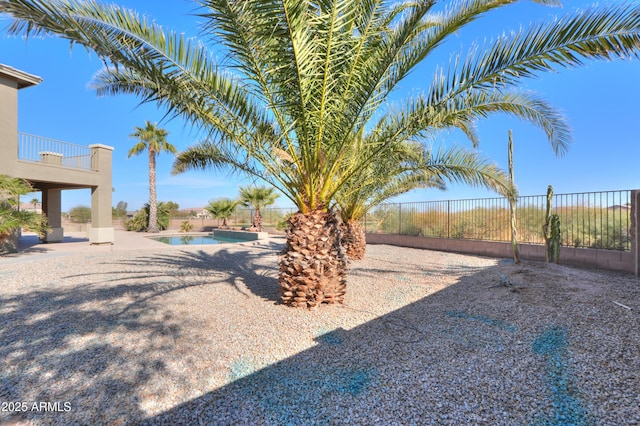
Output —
<point x="22" y="78"/>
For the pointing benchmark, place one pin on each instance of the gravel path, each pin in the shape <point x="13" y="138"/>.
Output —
<point x="196" y="335"/>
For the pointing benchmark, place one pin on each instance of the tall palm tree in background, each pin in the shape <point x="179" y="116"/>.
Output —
<point x="34" y="202"/>
<point x="222" y="208"/>
<point x="301" y="81"/>
<point x="152" y="139"/>
<point x="410" y="167"/>
<point x="257" y="197"/>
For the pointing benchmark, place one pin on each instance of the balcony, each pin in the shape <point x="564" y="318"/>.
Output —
<point x="48" y="151"/>
<point x="53" y="166"/>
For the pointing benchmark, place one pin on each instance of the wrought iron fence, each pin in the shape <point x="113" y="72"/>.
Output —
<point x="51" y="151"/>
<point x="588" y="219"/>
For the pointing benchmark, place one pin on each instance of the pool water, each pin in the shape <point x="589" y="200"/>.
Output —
<point x="192" y="240"/>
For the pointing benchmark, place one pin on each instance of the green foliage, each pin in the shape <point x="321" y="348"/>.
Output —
<point x="153" y="140"/>
<point x="258" y="198"/>
<point x="173" y="208"/>
<point x="305" y="85"/>
<point x="283" y="224"/>
<point x="186" y="226"/>
<point x="10" y="217"/>
<point x="80" y="214"/>
<point x="140" y="221"/>
<point x="304" y="80"/>
<point x="120" y="210"/>
<point x="411" y="167"/>
<point x="555" y="240"/>
<point x="222" y="208"/>
<point x="580" y="225"/>
<point x="551" y="230"/>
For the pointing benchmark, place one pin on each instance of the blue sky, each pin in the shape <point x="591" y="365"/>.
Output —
<point x="599" y="99"/>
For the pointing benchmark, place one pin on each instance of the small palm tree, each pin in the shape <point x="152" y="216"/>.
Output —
<point x="10" y="217"/>
<point x="410" y="167"/>
<point x="257" y="198"/>
<point x="153" y="140"/>
<point x="222" y="208"/>
<point x="34" y="203"/>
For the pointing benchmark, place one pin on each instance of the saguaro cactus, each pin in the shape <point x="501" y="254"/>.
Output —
<point x="551" y="230"/>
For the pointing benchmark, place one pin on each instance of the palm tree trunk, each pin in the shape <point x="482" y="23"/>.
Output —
<point x="257" y="221"/>
<point x="313" y="268"/>
<point x="354" y="239"/>
<point x="153" y="206"/>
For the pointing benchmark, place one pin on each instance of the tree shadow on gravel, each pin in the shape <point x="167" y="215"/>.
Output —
<point x="472" y="353"/>
<point x="57" y="348"/>
<point x="241" y="269"/>
<point x="90" y="349"/>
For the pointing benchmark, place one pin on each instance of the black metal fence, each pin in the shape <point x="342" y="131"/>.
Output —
<point x="587" y="219"/>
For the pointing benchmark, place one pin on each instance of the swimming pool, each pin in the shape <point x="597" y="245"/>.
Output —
<point x="193" y="240"/>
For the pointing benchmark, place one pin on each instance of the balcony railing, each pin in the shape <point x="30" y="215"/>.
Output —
<point x="50" y="151"/>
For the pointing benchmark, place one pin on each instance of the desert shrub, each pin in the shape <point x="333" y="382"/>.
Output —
<point x="80" y="214"/>
<point x="186" y="226"/>
<point x="140" y="222"/>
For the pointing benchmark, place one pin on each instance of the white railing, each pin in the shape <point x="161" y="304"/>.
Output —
<point x="53" y="152"/>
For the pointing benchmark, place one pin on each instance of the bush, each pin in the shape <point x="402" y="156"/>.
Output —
<point x="80" y="214"/>
<point x="140" y="222"/>
<point x="186" y="226"/>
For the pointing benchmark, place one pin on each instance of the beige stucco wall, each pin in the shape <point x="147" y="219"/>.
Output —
<point x="583" y="257"/>
<point x="8" y="123"/>
<point x="8" y="132"/>
<point x="51" y="177"/>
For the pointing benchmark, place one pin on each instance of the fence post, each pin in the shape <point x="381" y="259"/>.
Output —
<point x="399" y="218"/>
<point x="635" y="211"/>
<point x="448" y="218"/>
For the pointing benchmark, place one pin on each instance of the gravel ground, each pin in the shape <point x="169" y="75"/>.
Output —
<point x="196" y="335"/>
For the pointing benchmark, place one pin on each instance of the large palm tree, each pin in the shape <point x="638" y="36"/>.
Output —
<point x="152" y="139"/>
<point x="302" y="80"/>
<point x="408" y="168"/>
<point x="257" y="197"/>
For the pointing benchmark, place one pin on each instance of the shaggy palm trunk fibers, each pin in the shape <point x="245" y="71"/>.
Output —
<point x="354" y="239"/>
<point x="313" y="267"/>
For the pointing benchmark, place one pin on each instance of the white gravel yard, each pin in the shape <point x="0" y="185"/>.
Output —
<point x="195" y="335"/>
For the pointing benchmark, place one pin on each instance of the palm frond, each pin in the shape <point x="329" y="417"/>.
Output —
<point x="608" y="32"/>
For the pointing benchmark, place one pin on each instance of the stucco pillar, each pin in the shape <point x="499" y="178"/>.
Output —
<point x="11" y="80"/>
<point x="52" y="208"/>
<point x="101" y="198"/>
<point x="8" y="124"/>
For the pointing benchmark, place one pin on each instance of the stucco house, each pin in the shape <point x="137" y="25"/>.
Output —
<point x="53" y="166"/>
